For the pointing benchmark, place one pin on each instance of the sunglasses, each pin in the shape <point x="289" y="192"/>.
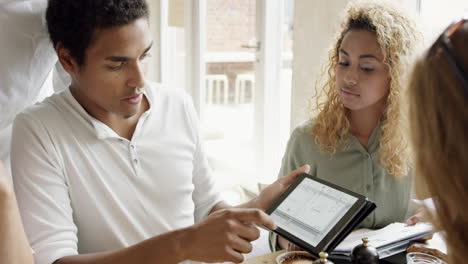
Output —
<point x="444" y="43"/>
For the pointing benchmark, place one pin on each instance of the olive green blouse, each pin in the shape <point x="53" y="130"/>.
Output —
<point x="355" y="168"/>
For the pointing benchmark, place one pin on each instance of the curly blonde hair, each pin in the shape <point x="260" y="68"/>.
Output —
<point x="397" y="36"/>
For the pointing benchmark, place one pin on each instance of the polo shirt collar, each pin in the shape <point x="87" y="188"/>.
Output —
<point x="101" y="130"/>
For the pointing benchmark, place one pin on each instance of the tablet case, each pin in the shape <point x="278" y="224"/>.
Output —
<point x="365" y="210"/>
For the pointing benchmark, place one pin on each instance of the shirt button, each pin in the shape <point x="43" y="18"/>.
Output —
<point x="135" y="161"/>
<point x="369" y="187"/>
<point x="132" y="146"/>
<point x="366" y="156"/>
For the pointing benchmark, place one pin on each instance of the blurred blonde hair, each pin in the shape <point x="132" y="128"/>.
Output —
<point x="439" y="125"/>
<point x="397" y="36"/>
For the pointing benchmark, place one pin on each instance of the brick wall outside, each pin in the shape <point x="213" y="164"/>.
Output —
<point x="230" y="24"/>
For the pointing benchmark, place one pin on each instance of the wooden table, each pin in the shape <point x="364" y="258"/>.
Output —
<point x="265" y="259"/>
<point x="435" y="242"/>
<point x="271" y="259"/>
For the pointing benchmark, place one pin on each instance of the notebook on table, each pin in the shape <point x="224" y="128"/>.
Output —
<point x="390" y="240"/>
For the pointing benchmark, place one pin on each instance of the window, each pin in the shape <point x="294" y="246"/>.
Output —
<point x="228" y="122"/>
<point x="235" y="58"/>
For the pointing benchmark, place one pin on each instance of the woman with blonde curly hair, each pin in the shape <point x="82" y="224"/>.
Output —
<point x="357" y="139"/>
<point x="439" y="121"/>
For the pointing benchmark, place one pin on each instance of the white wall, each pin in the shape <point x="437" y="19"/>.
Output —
<point x="436" y="15"/>
<point x="154" y="69"/>
<point x="315" y="22"/>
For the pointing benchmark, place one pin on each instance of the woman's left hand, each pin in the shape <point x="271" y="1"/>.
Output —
<point x="414" y="219"/>
<point x="419" y="217"/>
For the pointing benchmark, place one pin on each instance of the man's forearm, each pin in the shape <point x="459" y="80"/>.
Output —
<point x="14" y="247"/>
<point x="166" y="248"/>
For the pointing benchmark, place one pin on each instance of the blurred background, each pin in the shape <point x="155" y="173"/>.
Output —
<point x="250" y="67"/>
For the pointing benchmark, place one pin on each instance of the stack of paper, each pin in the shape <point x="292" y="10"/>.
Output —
<point x="388" y="241"/>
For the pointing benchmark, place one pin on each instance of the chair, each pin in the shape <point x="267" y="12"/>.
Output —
<point x="217" y="83"/>
<point x="241" y="87"/>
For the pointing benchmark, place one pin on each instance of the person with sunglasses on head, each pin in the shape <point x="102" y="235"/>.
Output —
<point x="357" y="140"/>
<point x="438" y="91"/>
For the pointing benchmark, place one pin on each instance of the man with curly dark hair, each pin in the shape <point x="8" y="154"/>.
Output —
<point x="112" y="170"/>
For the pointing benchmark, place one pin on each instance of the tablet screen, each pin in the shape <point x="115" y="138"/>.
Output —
<point x="311" y="210"/>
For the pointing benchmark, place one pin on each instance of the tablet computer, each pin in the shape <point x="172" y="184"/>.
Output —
<point x="317" y="215"/>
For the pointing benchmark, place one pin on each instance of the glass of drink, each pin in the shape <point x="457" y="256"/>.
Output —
<point x="421" y="258"/>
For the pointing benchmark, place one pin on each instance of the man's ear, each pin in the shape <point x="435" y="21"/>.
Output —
<point x="68" y="62"/>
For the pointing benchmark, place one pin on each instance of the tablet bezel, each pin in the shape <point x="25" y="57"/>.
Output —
<point x="336" y="229"/>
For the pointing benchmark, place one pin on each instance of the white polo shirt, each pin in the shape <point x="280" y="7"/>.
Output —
<point x="82" y="188"/>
